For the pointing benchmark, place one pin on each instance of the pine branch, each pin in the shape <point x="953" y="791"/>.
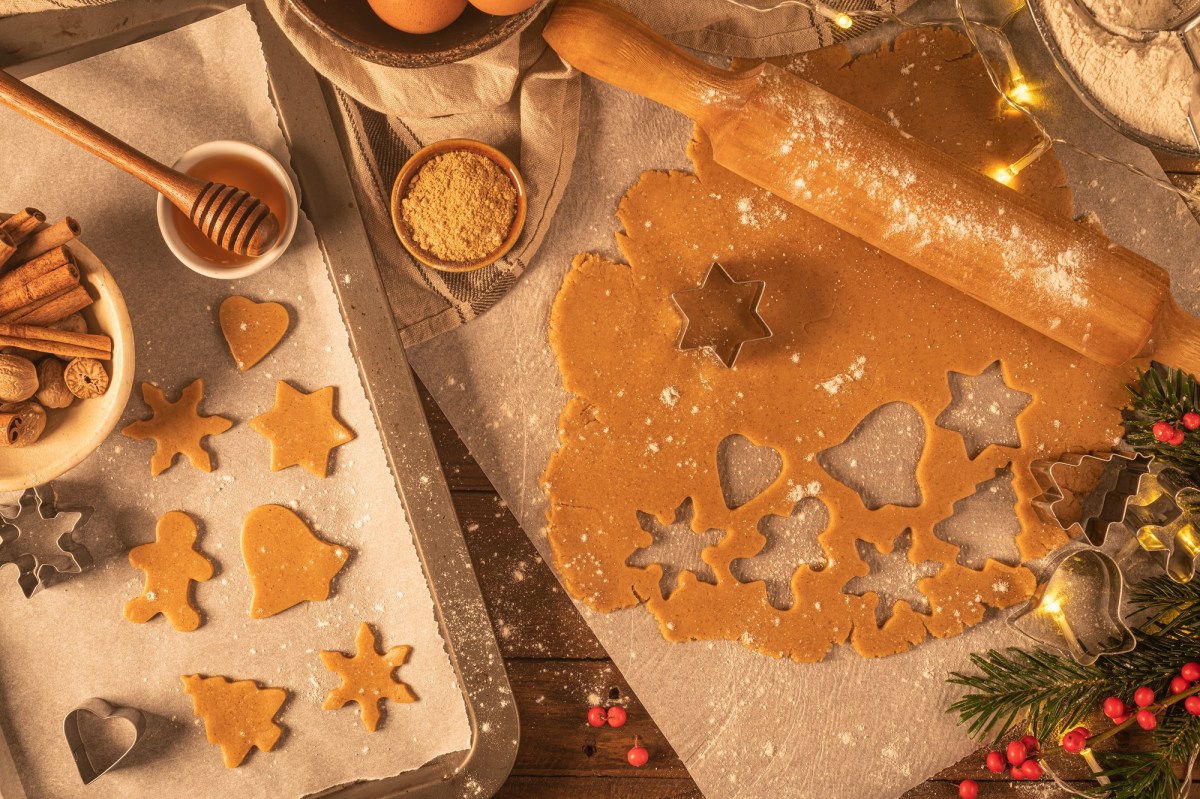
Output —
<point x="1163" y="394"/>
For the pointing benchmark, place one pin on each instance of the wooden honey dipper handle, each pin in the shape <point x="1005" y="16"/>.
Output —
<point x="230" y="217"/>
<point x="856" y="172"/>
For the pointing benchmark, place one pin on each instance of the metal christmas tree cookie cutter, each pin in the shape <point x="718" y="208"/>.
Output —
<point x="721" y="314"/>
<point x="1101" y="507"/>
<point x="89" y="771"/>
<point x="23" y="544"/>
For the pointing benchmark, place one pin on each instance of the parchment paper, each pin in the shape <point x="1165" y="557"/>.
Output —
<point x="746" y="725"/>
<point x="71" y="642"/>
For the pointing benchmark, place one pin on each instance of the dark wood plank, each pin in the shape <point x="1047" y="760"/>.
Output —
<point x="523" y="787"/>
<point x="461" y="470"/>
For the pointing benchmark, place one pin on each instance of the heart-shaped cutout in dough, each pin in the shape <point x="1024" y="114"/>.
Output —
<point x="94" y="746"/>
<point x="252" y="329"/>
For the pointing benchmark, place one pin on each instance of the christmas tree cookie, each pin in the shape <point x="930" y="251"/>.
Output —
<point x="237" y="715"/>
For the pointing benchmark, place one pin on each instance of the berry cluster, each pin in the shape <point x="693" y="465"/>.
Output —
<point x="1020" y="759"/>
<point x="1143" y="698"/>
<point x="615" y="716"/>
<point x="1168" y="433"/>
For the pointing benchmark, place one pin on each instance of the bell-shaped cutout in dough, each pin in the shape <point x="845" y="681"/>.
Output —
<point x="879" y="458"/>
<point x="984" y="410"/>
<point x="791" y="543"/>
<point x="745" y="469"/>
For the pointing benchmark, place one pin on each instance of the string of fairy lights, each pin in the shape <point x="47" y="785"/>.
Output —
<point x="1013" y="88"/>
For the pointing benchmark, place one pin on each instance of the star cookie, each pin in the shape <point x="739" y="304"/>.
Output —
<point x="302" y="429"/>
<point x="252" y="329"/>
<point x="171" y="565"/>
<point x="237" y="715"/>
<point x="177" y="427"/>
<point x="286" y="562"/>
<point x="367" y="677"/>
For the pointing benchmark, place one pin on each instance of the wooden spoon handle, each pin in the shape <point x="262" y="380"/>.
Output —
<point x="180" y="189"/>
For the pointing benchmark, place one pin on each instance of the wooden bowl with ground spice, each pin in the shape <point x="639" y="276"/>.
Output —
<point x="458" y="205"/>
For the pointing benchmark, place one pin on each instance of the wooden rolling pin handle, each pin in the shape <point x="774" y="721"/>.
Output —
<point x="1176" y="339"/>
<point x="618" y="48"/>
<point x="178" y="188"/>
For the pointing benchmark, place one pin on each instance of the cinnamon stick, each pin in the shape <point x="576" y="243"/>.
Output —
<point x="22" y="224"/>
<point x="7" y="248"/>
<point x="34" y="268"/>
<point x="48" y="335"/>
<point x="49" y="310"/>
<point x="47" y="239"/>
<point x="49" y="284"/>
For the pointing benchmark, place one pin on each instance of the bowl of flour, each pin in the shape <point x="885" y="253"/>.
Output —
<point x="1140" y="82"/>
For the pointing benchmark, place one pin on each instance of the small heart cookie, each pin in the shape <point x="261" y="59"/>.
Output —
<point x="252" y="329"/>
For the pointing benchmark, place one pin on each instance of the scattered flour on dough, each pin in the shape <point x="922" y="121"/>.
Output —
<point x="854" y="371"/>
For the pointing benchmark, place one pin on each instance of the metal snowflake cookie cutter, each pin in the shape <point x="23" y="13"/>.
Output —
<point x="1165" y="517"/>
<point x="1121" y="482"/>
<point x="1078" y="609"/>
<point x="721" y="315"/>
<point x="39" y="539"/>
<point x="90" y="771"/>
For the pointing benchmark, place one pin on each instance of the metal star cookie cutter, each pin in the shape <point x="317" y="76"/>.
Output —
<point x="1104" y="505"/>
<point x="1078" y="609"/>
<point x="22" y="539"/>
<point x="1165" y="517"/>
<point x="721" y="315"/>
<point x="89" y="772"/>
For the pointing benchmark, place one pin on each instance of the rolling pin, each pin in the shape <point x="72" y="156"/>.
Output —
<point x="854" y="171"/>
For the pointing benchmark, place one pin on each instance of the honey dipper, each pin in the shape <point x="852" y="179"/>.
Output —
<point x="845" y="166"/>
<point x="233" y="219"/>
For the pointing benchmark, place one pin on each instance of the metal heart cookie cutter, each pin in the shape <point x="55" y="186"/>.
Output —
<point x="89" y="771"/>
<point x="721" y="315"/>
<point x="39" y="539"/>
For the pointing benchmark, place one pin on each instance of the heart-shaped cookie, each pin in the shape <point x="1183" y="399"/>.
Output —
<point x="93" y="751"/>
<point x="252" y="329"/>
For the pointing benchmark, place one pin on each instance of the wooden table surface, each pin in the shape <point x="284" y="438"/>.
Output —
<point x="558" y="668"/>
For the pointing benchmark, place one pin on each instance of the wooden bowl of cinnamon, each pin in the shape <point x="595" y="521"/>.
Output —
<point x="39" y="296"/>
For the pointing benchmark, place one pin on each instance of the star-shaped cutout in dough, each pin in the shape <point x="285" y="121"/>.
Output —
<point x="984" y="410"/>
<point x="893" y="577"/>
<point x="177" y="427"/>
<point x="302" y="429"/>
<point x="721" y="315"/>
<point x="676" y="548"/>
<point x="367" y="677"/>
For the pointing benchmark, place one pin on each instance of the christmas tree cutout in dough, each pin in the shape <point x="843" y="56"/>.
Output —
<point x="286" y="562"/>
<point x="302" y="429"/>
<point x="367" y="677"/>
<point x="177" y="427"/>
<point x="171" y="564"/>
<point x="237" y="715"/>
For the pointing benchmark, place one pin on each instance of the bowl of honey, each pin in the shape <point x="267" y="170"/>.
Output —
<point x="250" y="168"/>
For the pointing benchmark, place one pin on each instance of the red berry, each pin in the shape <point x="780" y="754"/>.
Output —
<point x="1163" y="431"/>
<point x="1191" y="420"/>
<point x="1073" y="742"/>
<point x="1084" y="731"/>
<point x="1176" y="439"/>
<point x="616" y="716"/>
<point x="1146" y="720"/>
<point x="968" y="789"/>
<point x="1032" y="770"/>
<point x="1119" y="720"/>
<point x="1192" y="703"/>
<point x="1191" y="671"/>
<point x="1179" y="685"/>
<point x="1017" y="753"/>
<point x="1032" y="745"/>
<point x="638" y="756"/>
<point x="995" y="760"/>
<point x="1143" y="697"/>
<point x="1015" y="773"/>
<point x="596" y="716"/>
<point x="1114" y="707"/>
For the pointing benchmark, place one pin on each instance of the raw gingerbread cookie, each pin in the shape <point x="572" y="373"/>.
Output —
<point x="302" y="429"/>
<point x="171" y="565"/>
<point x="177" y="427"/>
<point x="367" y="677"/>
<point x="237" y="715"/>
<point x="286" y="562"/>
<point x="252" y="329"/>
<point x="854" y="330"/>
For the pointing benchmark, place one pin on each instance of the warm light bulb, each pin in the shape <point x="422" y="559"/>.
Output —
<point x="1002" y="174"/>
<point x="844" y="21"/>
<point x="839" y="18"/>
<point x="1020" y="92"/>
<point x="1051" y="604"/>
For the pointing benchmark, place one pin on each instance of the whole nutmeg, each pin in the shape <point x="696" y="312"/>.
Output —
<point x="75" y="323"/>
<point x="52" y="388"/>
<point x="21" y="423"/>
<point x="86" y="378"/>
<point x="18" y="378"/>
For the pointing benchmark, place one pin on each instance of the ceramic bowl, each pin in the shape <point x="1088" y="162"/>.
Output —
<point x="169" y="219"/>
<point x="352" y="26"/>
<point x="74" y="433"/>
<point x="413" y="165"/>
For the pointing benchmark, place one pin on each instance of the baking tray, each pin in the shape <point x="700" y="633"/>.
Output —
<point x="33" y="43"/>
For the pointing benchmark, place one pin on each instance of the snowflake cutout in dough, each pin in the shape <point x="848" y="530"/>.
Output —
<point x="791" y="543"/>
<point x="676" y="548"/>
<point x="983" y="425"/>
<point x="893" y="577"/>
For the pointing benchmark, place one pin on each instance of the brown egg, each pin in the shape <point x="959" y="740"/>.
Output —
<point x="418" y="16"/>
<point x="502" y="7"/>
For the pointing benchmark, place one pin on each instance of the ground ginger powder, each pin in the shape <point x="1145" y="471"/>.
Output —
<point x="460" y="206"/>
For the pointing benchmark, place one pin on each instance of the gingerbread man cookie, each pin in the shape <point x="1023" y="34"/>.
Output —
<point x="367" y="677"/>
<point x="237" y="715"/>
<point x="302" y="429"/>
<point x="252" y="329"/>
<point x="177" y="427"/>
<point x="171" y="565"/>
<point x="286" y="562"/>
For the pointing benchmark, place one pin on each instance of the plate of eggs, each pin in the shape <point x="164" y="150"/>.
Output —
<point x="416" y="33"/>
